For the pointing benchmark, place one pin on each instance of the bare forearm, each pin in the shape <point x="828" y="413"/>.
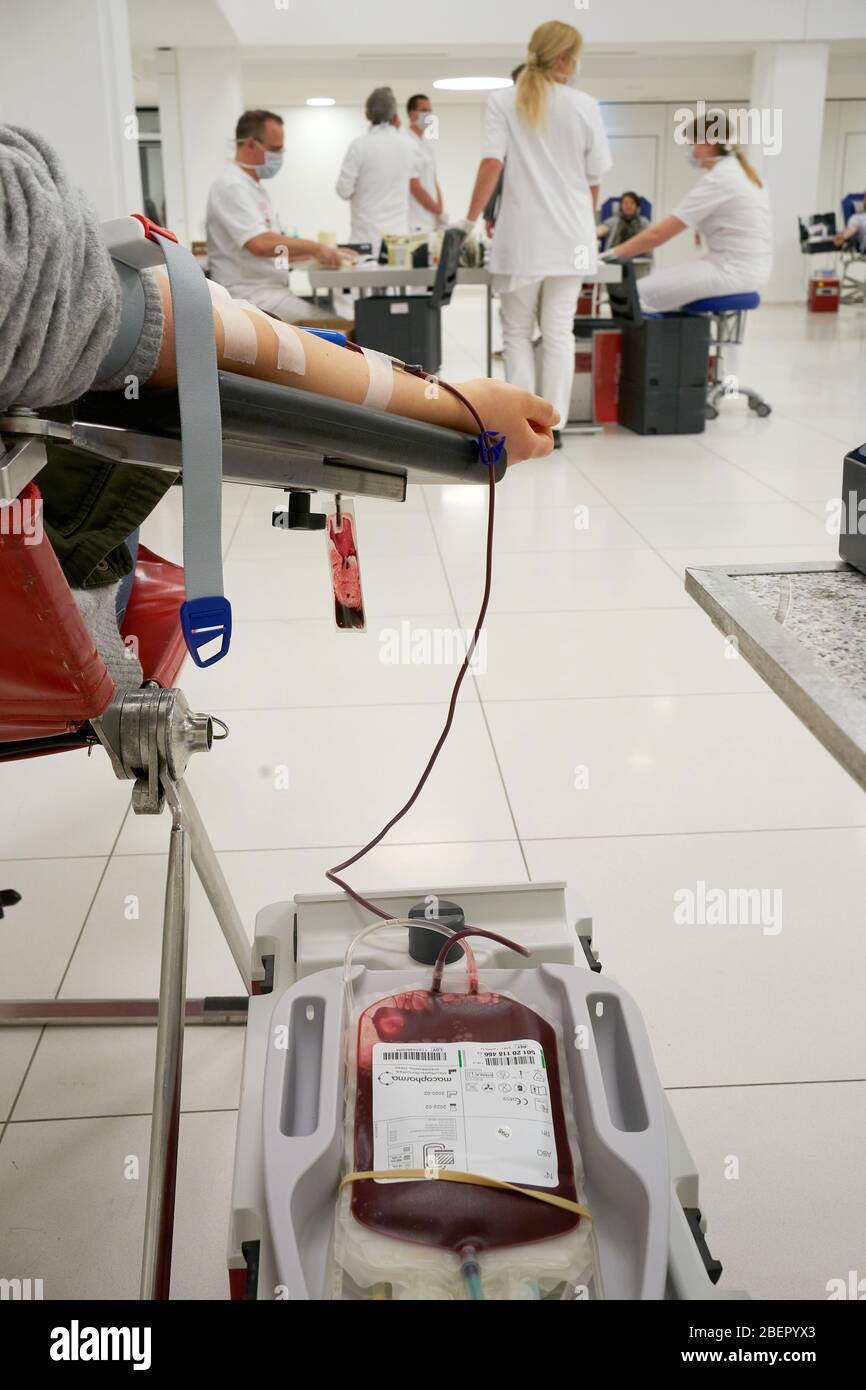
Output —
<point x="485" y="182"/>
<point x="329" y="370"/>
<point x="651" y="237"/>
<point x="269" y="243"/>
<point x="420" y="194"/>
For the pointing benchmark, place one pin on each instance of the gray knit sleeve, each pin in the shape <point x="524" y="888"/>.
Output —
<point x="146" y="351"/>
<point x="59" y="294"/>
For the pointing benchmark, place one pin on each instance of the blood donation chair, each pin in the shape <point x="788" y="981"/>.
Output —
<point x="56" y="695"/>
<point x="853" y="286"/>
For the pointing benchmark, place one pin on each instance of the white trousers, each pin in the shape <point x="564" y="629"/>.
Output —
<point x="551" y="303"/>
<point x="680" y="284"/>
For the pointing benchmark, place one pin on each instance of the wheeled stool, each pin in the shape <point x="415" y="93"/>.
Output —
<point x="727" y="315"/>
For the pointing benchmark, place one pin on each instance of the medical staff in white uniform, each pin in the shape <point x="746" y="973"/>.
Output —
<point x="376" y="173"/>
<point x="552" y="141"/>
<point x="248" y="252"/>
<point x="425" y="196"/>
<point x="729" y="208"/>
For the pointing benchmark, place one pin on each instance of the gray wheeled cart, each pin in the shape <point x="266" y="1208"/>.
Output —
<point x="640" y="1180"/>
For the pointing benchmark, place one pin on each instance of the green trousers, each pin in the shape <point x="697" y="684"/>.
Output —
<point x="89" y="507"/>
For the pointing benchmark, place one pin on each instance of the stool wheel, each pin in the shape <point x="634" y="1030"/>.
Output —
<point x="711" y="412"/>
<point x="760" y="408"/>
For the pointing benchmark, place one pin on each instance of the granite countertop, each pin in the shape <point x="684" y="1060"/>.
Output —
<point x="826" y="611"/>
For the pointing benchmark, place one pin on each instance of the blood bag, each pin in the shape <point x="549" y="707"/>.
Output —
<point x="345" y="568"/>
<point x="469" y="1083"/>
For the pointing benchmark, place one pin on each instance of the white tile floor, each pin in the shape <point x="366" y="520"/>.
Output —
<point x="595" y="658"/>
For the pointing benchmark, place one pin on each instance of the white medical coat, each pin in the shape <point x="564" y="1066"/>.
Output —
<point x="546" y="224"/>
<point x="374" y="177"/>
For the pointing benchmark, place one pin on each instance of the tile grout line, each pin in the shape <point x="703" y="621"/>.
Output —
<point x="90" y="906"/>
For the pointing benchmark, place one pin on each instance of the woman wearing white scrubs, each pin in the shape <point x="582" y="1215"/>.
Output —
<point x="552" y="142"/>
<point x="729" y="207"/>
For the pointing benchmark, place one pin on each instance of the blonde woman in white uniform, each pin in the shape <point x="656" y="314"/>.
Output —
<point x="729" y="207"/>
<point x="551" y="139"/>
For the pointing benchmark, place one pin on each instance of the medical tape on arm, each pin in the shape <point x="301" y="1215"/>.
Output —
<point x="241" y="343"/>
<point x="381" y="384"/>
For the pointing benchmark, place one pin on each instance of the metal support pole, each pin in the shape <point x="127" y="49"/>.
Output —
<point x="213" y="882"/>
<point x="165" y="1127"/>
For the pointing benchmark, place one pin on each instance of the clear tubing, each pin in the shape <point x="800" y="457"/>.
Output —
<point x="471" y="967"/>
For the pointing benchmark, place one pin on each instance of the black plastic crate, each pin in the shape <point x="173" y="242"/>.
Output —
<point x="662" y="410"/>
<point x="669" y="352"/>
<point x="408" y="327"/>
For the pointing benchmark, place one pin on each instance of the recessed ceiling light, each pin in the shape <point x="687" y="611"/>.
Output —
<point x="472" y="84"/>
<point x="321" y="101"/>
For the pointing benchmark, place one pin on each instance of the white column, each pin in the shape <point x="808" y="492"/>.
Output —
<point x="200" y="102"/>
<point x="791" y="79"/>
<point x="67" y="74"/>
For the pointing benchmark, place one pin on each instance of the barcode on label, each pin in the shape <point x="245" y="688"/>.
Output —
<point x="408" y="1054"/>
<point x="511" y="1059"/>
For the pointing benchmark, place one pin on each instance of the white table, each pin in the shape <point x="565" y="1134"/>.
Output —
<point x="369" y="277"/>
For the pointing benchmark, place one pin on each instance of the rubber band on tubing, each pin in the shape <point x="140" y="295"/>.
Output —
<point x="381" y="384"/>
<point x="454" y="1175"/>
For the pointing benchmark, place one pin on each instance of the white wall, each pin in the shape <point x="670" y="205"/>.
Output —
<point x="67" y="73"/>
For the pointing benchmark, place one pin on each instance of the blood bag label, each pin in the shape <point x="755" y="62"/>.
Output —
<point x="476" y="1107"/>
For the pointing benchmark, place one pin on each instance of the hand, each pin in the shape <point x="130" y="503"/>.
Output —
<point x="838" y="239"/>
<point x="463" y="225"/>
<point x="526" y="420"/>
<point x="347" y="254"/>
<point x="329" y="257"/>
<point x="488" y="227"/>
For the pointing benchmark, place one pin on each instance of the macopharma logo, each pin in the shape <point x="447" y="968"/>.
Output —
<point x="21" y="1290"/>
<point x="729" y="907"/>
<point x="77" y="1343"/>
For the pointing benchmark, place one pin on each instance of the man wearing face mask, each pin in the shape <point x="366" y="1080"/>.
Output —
<point x="425" y="202"/>
<point x="248" y="253"/>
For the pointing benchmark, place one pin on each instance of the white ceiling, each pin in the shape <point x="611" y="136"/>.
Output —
<point x="322" y="47"/>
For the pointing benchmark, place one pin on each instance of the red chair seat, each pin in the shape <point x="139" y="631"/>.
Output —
<point x="52" y="679"/>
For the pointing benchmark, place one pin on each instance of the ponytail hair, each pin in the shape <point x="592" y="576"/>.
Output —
<point x="549" y="43"/>
<point x="747" y="168"/>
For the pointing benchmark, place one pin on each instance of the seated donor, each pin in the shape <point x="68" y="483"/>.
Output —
<point x="728" y="207"/>
<point x="248" y="253"/>
<point x="62" y="301"/>
<point x="625" y="223"/>
<point x="854" y="233"/>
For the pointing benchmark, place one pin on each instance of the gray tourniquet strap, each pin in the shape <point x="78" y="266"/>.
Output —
<point x="132" y="305"/>
<point x="200" y="420"/>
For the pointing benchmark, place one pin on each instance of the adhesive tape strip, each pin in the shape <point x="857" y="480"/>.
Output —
<point x="290" y="347"/>
<point x="381" y="384"/>
<point x="241" y="344"/>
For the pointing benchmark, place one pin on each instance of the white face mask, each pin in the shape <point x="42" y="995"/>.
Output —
<point x="272" y="165"/>
<point x="572" y="80"/>
<point x="425" y="119"/>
